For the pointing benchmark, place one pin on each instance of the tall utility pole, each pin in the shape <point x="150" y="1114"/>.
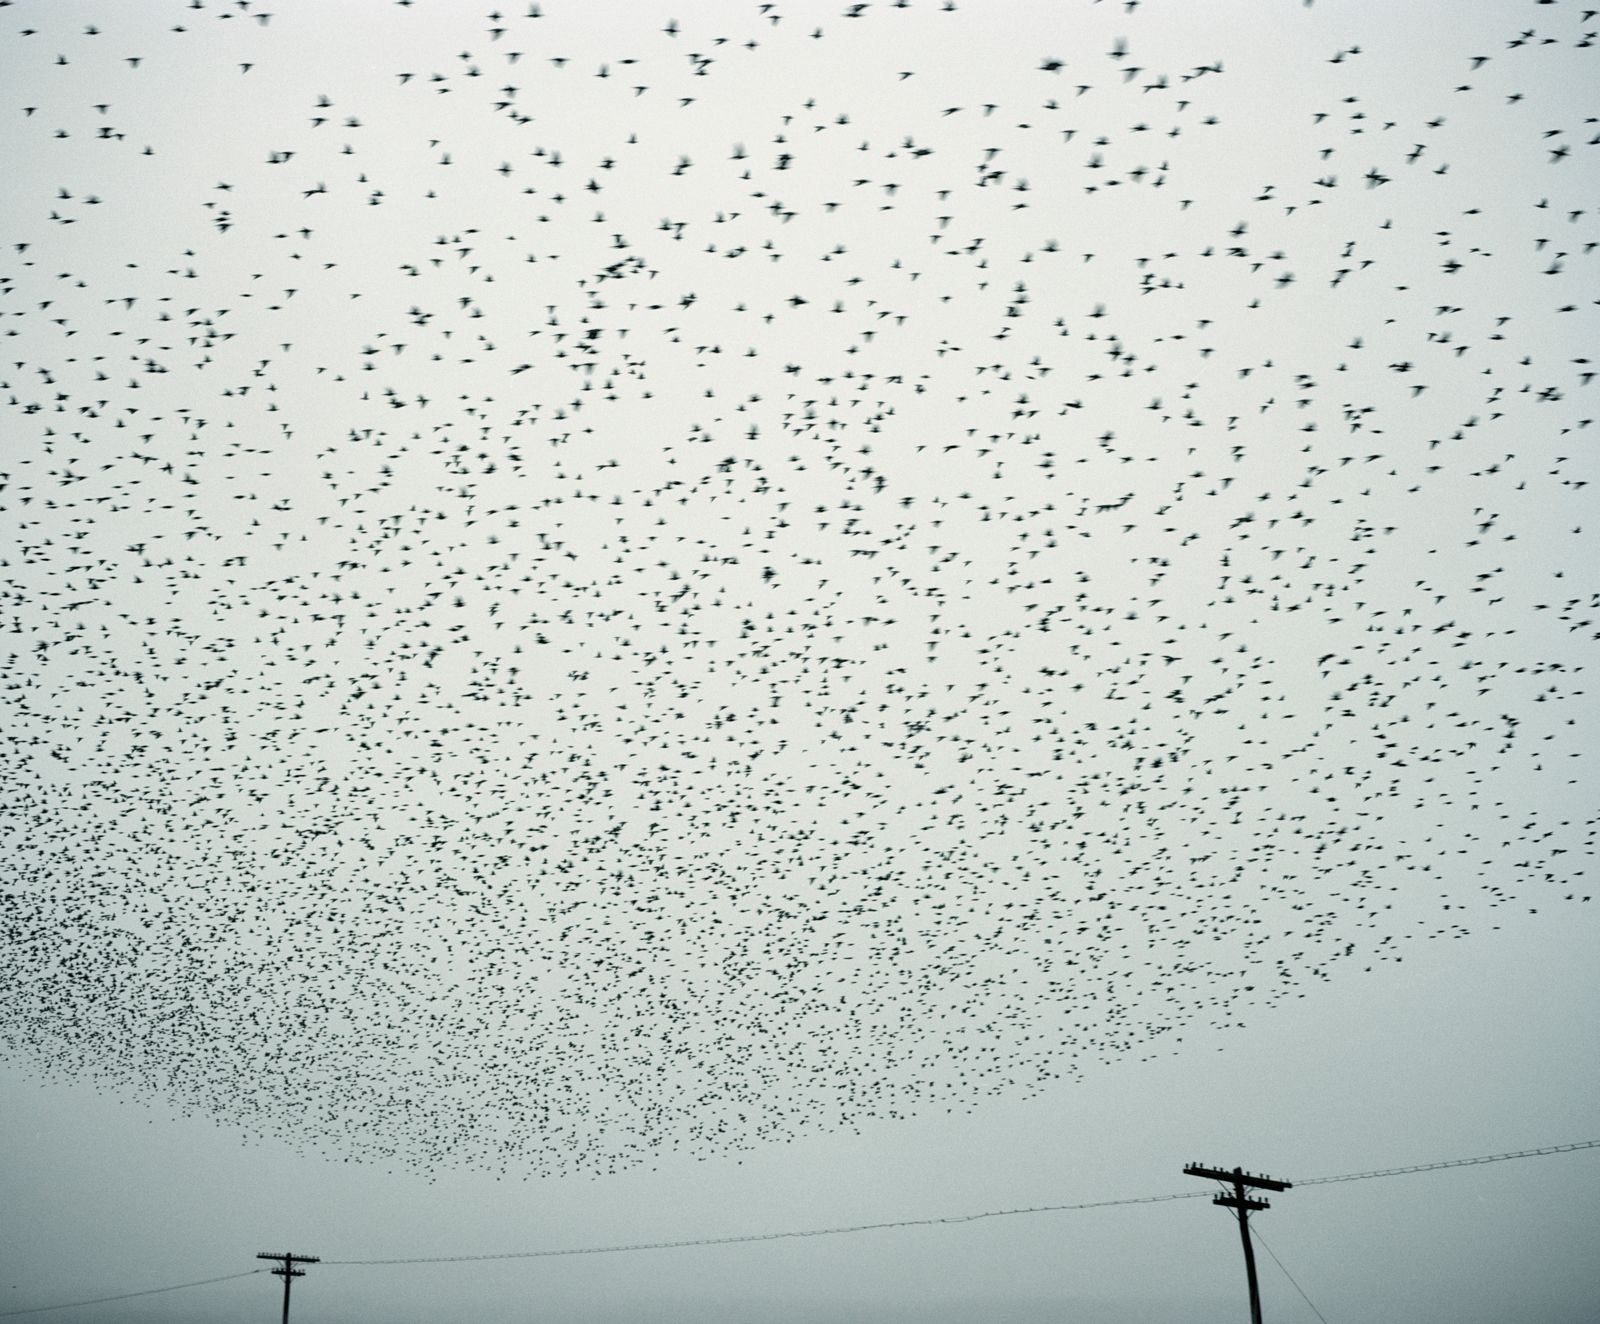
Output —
<point x="288" y="1272"/>
<point x="1239" y="1179"/>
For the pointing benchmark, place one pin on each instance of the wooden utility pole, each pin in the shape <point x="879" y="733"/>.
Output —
<point x="1239" y="1179"/>
<point x="288" y="1272"/>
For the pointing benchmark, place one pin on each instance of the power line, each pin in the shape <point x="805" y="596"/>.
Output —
<point x="123" y="1296"/>
<point x="1453" y="1163"/>
<point x="837" y="1231"/>
<point x="776" y="1236"/>
<point x="1289" y="1276"/>
<point x="952" y="1218"/>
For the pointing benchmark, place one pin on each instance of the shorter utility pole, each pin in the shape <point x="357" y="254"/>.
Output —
<point x="288" y="1272"/>
<point x="1238" y="1179"/>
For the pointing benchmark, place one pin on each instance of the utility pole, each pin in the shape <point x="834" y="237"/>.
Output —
<point x="1239" y="1179"/>
<point x="288" y="1272"/>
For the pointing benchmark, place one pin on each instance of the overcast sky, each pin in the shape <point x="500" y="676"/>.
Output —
<point x="633" y="623"/>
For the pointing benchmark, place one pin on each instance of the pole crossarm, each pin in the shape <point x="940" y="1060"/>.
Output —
<point x="1238" y="1177"/>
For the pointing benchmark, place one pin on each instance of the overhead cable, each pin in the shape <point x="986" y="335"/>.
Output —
<point x="684" y="1242"/>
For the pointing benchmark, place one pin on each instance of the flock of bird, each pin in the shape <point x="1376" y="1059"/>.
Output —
<point x="580" y="583"/>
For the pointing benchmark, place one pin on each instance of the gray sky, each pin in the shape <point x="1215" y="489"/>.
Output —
<point x="633" y="624"/>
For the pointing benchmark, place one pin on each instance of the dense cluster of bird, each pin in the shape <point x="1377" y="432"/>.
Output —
<point x="579" y="583"/>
